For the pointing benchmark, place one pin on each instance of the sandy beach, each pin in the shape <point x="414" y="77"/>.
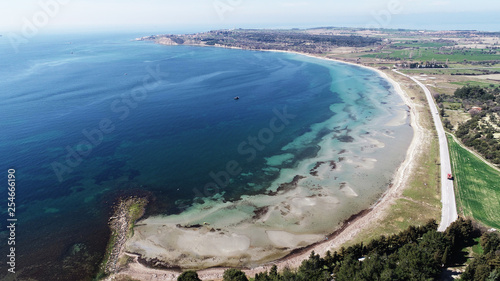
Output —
<point x="352" y="227"/>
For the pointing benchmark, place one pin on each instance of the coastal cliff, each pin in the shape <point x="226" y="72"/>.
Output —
<point x="284" y="40"/>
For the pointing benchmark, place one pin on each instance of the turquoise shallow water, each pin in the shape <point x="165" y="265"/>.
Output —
<point x="87" y="119"/>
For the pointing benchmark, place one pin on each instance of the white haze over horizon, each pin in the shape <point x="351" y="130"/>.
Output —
<point x="203" y="15"/>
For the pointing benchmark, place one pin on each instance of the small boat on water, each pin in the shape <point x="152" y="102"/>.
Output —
<point x="236" y="98"/>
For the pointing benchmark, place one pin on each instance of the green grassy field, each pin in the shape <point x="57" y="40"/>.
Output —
<point x="452" y="105"/>
<point x="476" y="83"/>
<point x="477" y="249"/>
<point x="428" y="54"/>
<point x="477" y="186"/>
<point x="411" y="44"/>
<point x="444" y="71"/>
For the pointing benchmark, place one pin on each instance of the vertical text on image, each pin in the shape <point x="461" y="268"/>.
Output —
<point x="11" y="220"/>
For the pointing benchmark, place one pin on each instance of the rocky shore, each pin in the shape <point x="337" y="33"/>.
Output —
<point x="126" y="212"/>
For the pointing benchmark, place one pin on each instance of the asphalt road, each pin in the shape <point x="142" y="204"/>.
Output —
<point x="449" y="211"/>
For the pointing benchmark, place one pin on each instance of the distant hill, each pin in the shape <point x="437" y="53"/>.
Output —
<point x="285" y="40"/>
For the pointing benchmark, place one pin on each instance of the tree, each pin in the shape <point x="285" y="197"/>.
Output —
<point x="437" y="244"/>
<point x="313" y="269"/>
<point x="349" y="269"/>
<point x="262" y="277"/>
<point x="273" y="273"/>
<point x="416" y="263"/>
<point x="490" y="242"/>
<point x="234" y="275"/>
<point x="372" y="267"/>
<point x="447" y="124"/>
<point x="494" y="276"/>
<point x="289" y="275"/>
<point x="189" y="276"/>
<point x="446" y="256"/>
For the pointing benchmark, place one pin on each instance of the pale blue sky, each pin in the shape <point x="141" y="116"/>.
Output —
<point x="210" y="14"/>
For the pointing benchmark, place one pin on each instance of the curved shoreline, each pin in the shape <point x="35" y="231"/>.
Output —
<point x="349" y="229"/>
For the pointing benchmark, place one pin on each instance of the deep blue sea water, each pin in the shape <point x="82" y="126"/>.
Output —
<point x="86" y="119"/>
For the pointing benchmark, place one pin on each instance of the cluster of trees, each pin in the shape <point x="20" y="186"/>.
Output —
<point x="485" y="266"/>
<point x="230" y="274"/>
<point x="484" y="72"/>
<point x="476" y="132"/>
<point x="427" y="64"/>
<point x="477" y="93"/>
<point x="487" y="98"/>
<point x="480" y="137"/>
<point x="418" y="253"/>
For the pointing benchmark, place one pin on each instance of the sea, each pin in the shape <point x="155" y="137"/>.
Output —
<point x="87" y="119"/>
